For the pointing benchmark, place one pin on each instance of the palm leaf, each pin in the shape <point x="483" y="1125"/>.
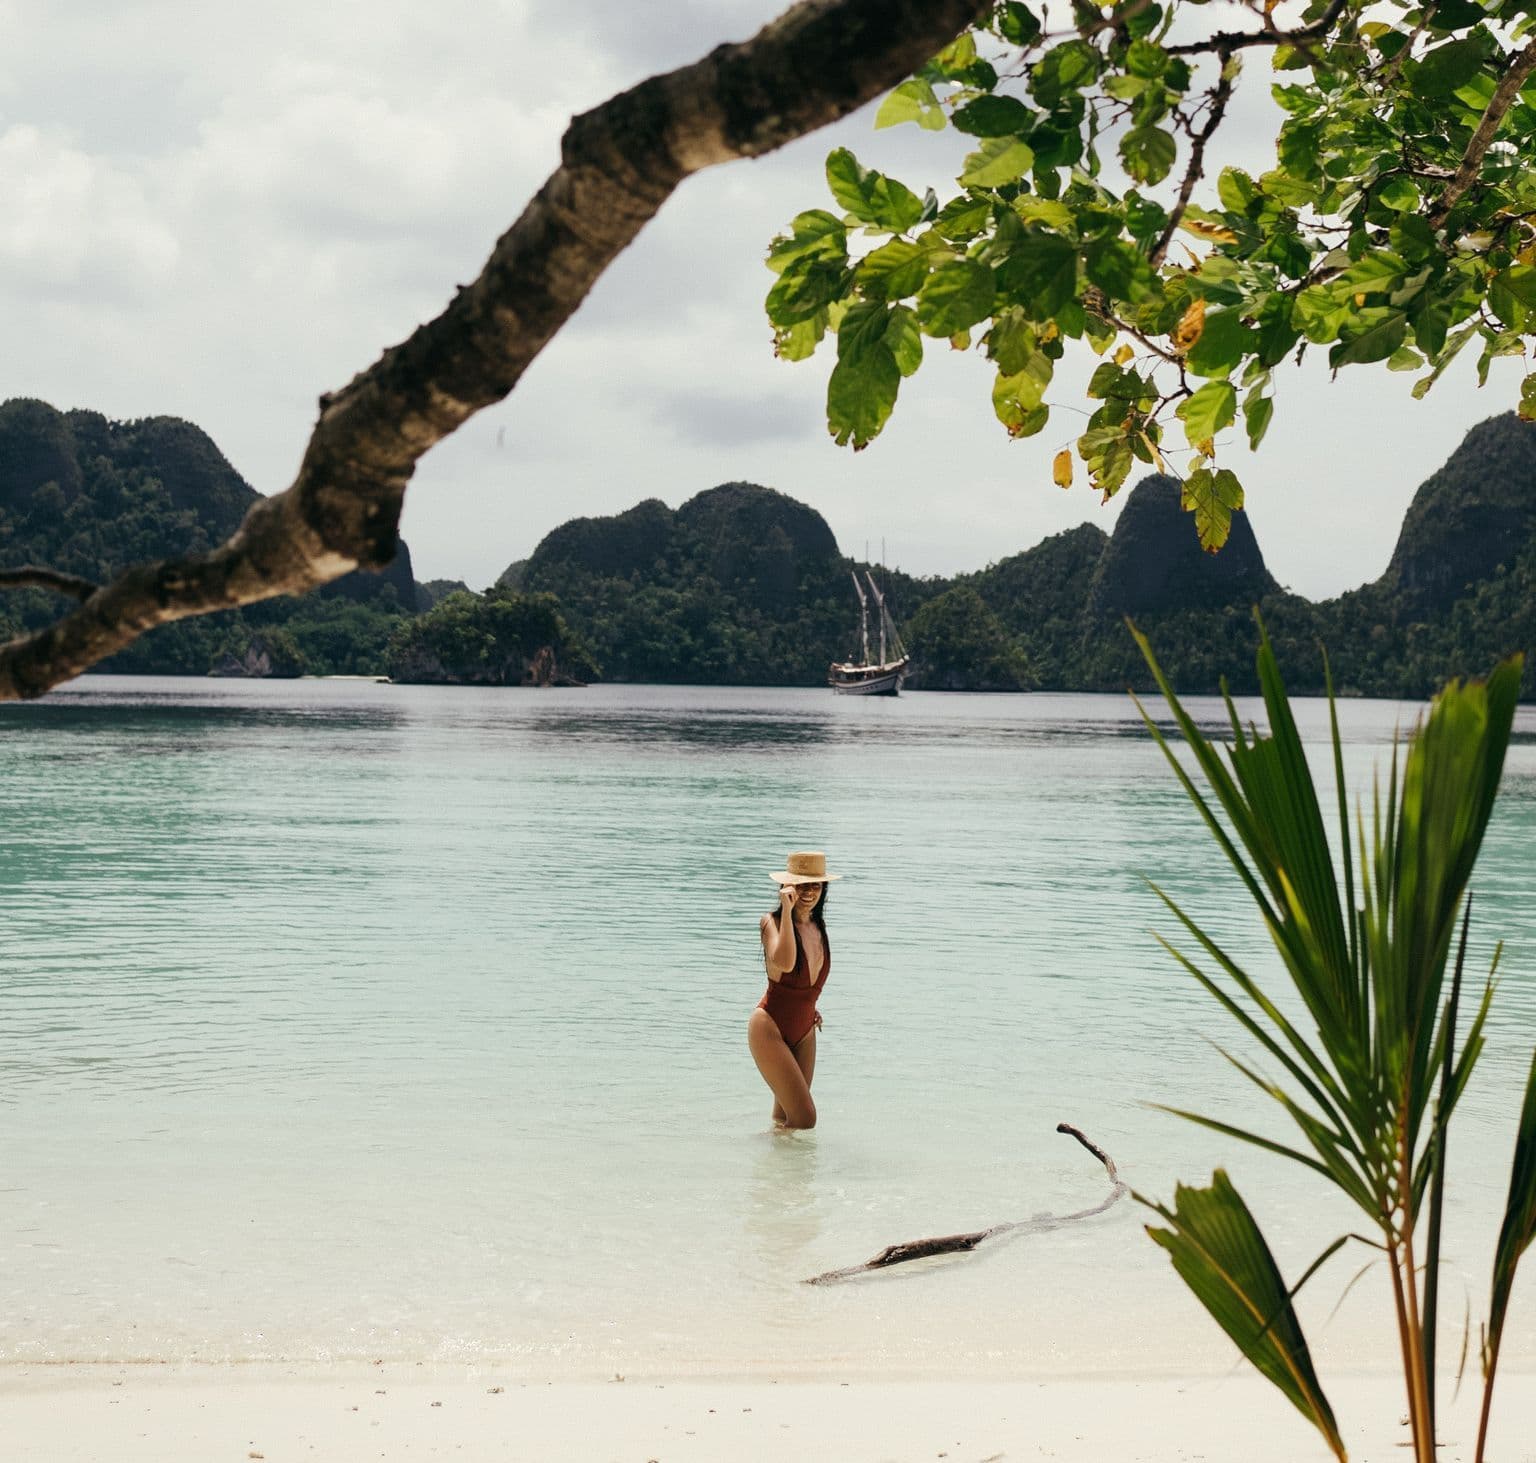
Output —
<point x="1220" y="1253"/>
<point x="1515" y="1236"/>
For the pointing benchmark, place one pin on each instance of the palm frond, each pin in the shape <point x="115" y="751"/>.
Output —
<point x="1220" y="1253"/>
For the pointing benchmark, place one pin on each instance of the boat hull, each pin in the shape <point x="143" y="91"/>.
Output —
<point x="884" y="680"/>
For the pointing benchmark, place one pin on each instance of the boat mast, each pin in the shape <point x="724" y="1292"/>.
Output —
<point x="880" y="602"/>
<point x="863" y="617"/>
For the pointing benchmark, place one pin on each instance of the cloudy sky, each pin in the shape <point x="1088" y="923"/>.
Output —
<point x="218" y="211"/>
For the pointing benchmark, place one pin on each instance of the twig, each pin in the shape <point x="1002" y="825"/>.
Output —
<point x="1225" y="42"/>
<point x="1499" y="103"/>
<point x="959" y="1244"/>
<point x="33" y="576"/>
<point x="1193" y="173"/>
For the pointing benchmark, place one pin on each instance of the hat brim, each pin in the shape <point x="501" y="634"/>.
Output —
<point x="783" y="876"/>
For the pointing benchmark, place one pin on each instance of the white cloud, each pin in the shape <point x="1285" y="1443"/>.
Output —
<point x="75" y="222"/>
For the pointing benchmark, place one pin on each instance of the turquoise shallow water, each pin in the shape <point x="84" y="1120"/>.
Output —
<point x="341" y="1020"/>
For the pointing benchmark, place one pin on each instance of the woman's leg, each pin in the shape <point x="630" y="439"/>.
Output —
<point x="782" y="1071"/>
<point x="805" y="1056"/>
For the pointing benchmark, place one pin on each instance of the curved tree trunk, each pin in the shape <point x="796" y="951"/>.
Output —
<point x="816" y="63"/>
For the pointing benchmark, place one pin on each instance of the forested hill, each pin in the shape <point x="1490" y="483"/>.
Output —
<point x="745" y="585"/>
<point x="91" y="496"/>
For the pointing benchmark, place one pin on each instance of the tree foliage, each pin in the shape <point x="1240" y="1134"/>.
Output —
<point x="500" y="638"/>
<point x="1397" y="225"/>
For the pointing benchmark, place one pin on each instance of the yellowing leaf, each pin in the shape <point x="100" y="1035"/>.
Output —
<point x="1190" y="325"/>
<point x="1061" y="468"/>
<point x="1213" y="233"/>
<point x="1123" y="355"/>
<point x="1157" y="456"/>
<point x="1213" y="498"/>
<point x="1206" y="447"/>
<point x="1359" y="301"/>
<point x="960" y="340"/>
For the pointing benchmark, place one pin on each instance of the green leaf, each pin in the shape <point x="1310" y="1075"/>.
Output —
<point x="1222" y="344"/>
<point x="955" y="297"/>
<point x="1120" y="269"/>
<point x="999" y="160"/>
<point x="1375" y="343"/>
<point x="861" y="331"/>
<point x="1063" y="71"/>
<point x="799" y="342"/>
<point x="805" y="288"/>
<point x="1126" y="88"/>
<point x="1441" y="71"/>
<point x="894" y="270"/>
<point x="1011" y="341"/>
<point x="1519" y="1226"/>
<point x="1527" y="407"/>
<point x="1042" y="274"/>
<point x="1106" y="450"/>
<point x="1213" y="497"/>
<point x="1050" y="211"/>
<point x="1375" y="272"/>
<point x="1220" y="1253"/>
<point x="1017" y="399"/>
<point x="860" y="395"/>
<point x="993" y="116"/>
<point x="1236" y="189"/>
<point x="1148" y="153"/>
<point x="904" y="340"/>
<point x="963" y="218"/>
<point x="815" y="234"/>
<point x="1210" y="410"/>
<point x="1399" y="194"/>
<point x="1145" y="58"/>
<point x="1512" y="295"/>
<point x="1017" y="23"/>
<point x="1257" y="411"/>
<point x="869" y="196"/>
<point x="912" y="101"/>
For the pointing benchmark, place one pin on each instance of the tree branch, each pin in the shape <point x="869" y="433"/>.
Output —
<point x="1499" y="103"/>
<point x="1196" y="169"/>
<point x="33" y="576"/>
<point x="816" y="63"/>
<point x="1225" y="42"/>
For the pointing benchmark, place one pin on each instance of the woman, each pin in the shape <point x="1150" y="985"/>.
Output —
<point x="782" y="1031"/>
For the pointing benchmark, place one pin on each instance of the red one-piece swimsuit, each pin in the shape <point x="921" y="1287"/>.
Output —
<point x="791" y="1000"/>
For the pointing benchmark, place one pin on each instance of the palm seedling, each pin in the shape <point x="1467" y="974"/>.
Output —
<point x="1373" y="1072"/>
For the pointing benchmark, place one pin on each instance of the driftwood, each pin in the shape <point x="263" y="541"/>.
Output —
<point x="959" y="1244"/>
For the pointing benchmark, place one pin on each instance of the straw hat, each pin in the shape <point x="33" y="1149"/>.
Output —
<point x="804" y="868"/>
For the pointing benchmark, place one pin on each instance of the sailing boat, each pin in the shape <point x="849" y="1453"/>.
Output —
<point x="882" y="677"/>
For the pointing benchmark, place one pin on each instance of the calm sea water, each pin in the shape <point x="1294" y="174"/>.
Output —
<point x="343" y="1020"/>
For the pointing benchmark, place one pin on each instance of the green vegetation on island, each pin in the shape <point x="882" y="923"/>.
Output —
<point x="499" y="638"/>
<point x="744" y="585"/>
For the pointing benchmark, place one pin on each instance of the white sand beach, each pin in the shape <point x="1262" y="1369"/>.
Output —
<point x="349" y="1414"/>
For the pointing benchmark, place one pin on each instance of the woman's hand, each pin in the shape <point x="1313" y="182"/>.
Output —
<point x="788" y="895"/>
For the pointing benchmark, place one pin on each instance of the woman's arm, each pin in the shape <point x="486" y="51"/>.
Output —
<point x="779" y="936"/>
